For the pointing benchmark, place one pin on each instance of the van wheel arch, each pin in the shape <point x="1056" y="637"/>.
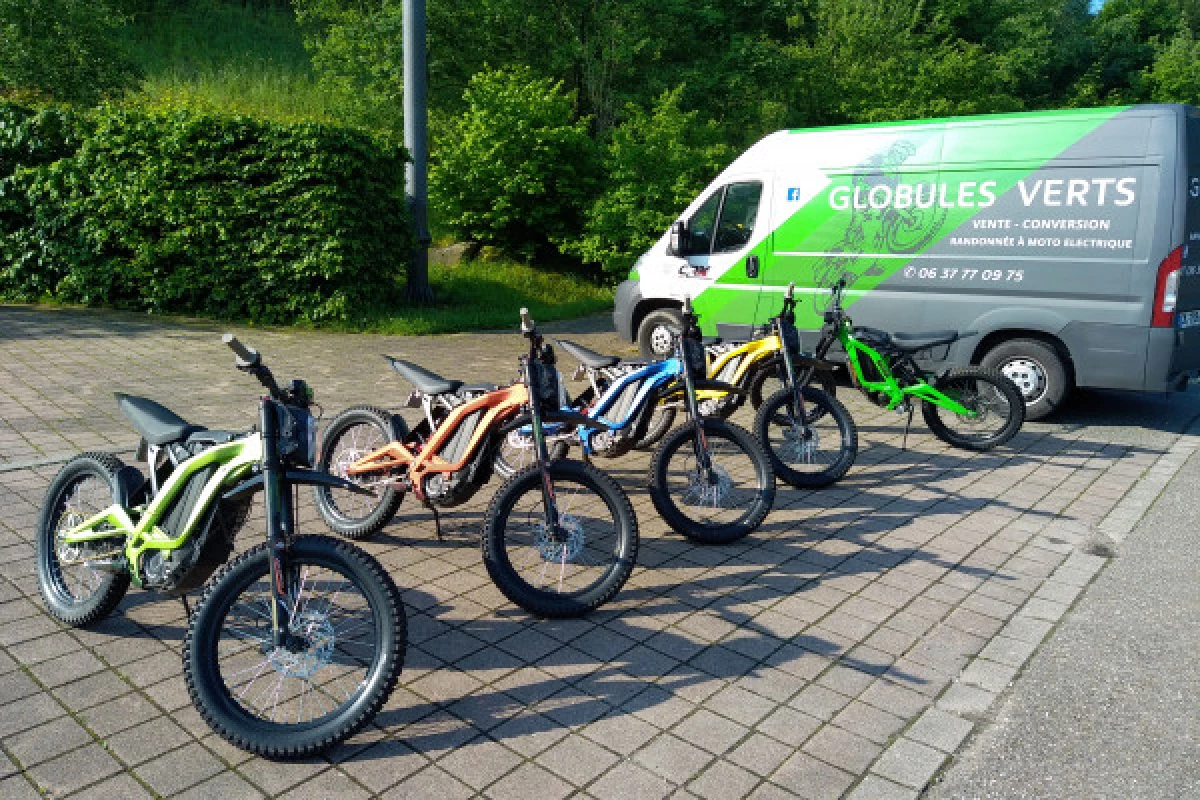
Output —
<point x="1039" y="363"/>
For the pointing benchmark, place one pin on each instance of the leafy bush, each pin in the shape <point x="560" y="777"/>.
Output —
<point x="225" y="217"/>
<point x="514" y="170"/>
<point x="69" y="50"/>
<point x="656" y="163"/>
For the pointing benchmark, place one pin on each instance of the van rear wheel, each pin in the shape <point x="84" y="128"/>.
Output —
<point x="1037" y="369"/>
<point x="655" y="339"/>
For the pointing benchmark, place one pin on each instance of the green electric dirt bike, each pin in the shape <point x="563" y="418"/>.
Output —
<point x="297" y="642"/>
<point x="971" y="407"/>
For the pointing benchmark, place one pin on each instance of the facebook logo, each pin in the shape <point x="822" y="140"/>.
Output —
<point x="793" y="194"/>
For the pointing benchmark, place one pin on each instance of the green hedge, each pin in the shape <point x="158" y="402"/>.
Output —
<point x="194" y="213"/>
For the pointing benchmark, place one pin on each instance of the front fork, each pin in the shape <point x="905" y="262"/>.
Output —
<point x="699" y="440"/>
<point x="278" y="505"/>
<point x="798" y="414"/>
<point x="539" y="447"/>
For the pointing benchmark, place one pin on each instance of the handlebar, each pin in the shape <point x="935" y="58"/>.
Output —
<point x="790" y="294"/>
<point x="247" y="357"/>
<point x="527" y="323"/>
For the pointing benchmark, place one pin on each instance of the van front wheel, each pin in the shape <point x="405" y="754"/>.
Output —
<point x="1038" y="371"/>
<point x="655" y="339"/>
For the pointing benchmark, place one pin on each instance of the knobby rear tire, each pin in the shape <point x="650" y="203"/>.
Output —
<point x="108" y="587"/>
<point x="345" y="522"/>
<point x="964" y="375"/>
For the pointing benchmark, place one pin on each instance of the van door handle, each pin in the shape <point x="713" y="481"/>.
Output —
<point x="751" y="266"/>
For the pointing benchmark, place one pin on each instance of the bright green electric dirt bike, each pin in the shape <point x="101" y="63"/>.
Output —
<point x="297" y="642"/>
<point x="971" y="407"/>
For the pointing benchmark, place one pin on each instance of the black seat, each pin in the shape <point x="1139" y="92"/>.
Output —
<point x="426" y="382"/>
<point x="157" y="424"/>
<point x="588" y="357"/>
<point x="912" y="342"/>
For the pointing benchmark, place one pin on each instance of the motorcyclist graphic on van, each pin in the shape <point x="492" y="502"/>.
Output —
<point x="883" y="231"/>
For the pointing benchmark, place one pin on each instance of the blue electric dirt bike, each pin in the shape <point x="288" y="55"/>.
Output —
<point x="709" y="479"/>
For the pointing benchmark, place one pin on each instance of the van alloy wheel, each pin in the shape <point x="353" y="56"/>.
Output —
<point x="661" y="340"/>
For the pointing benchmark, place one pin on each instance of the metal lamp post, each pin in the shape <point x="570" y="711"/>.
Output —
<point x="415" y="124"/>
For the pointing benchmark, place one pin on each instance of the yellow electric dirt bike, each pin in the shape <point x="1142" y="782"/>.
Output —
<point x="808" y="434"/>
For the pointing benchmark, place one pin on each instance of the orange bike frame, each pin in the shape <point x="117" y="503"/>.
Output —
<point x="501" y="405"/>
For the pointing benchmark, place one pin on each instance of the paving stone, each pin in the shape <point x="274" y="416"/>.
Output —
<point x="121" y="786"/>
<point x="723" y="780"/>
<point x="842" y="748"/>
<point x="940" y="729"/>
<point x="226" y="786"/>
<point x="630" y="781"/>
<point x="909" y="763"/>
<point x="760" y="754"/>
<point x="479" y="763"/>
<point x="577" y="759"/>
<point x="874" y="787"/>
<point x="810" y="778"/>
<point x="675" y="759"/>
<point x="47" y="741"/>
<point x="710" y="731"/>
<point x="74" y="770"/>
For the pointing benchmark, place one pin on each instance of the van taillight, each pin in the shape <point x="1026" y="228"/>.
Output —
<point x="1166" y="290"/>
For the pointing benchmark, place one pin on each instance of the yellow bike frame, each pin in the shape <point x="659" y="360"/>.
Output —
<point x="737" y="365"/>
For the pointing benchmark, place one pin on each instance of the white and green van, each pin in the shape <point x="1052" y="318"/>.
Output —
<point x="1069" y="240"/>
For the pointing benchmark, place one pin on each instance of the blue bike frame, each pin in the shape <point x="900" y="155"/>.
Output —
<point x="645" y="384"/>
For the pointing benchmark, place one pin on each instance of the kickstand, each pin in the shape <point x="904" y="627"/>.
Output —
<point x="907" y="425"/>
<point x="186" y="608"/>
<point x="437" y="522"/>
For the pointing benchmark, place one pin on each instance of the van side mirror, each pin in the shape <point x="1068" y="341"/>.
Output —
<point x="679" y="240"/>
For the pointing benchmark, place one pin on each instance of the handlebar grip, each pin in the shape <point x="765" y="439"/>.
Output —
<point x="791" y="290"/>
<point x="247" y="357"/>
<point x="687" y="304"/>
<point x="526" y="321"/>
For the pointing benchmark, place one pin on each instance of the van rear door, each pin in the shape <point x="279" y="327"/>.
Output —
<point x="1186" y="358"/>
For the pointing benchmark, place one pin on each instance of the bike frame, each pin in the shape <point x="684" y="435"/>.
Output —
<point x="421" y="459"/>
<point x="897" y="394"/>
<point x="234" y="461"/>
<point x="653" y="378"/>
<point x="752" y="354"/>
<point x="243" y="465"/>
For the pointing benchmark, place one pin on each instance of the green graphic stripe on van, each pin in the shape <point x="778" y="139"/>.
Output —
<point x="832" y="235"/>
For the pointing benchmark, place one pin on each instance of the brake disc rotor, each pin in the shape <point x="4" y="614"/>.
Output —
<point x="319" y="637"/>
<point x="551" y="548"/>
<point x="799" y="446"/>
<point x="701" y="492"/>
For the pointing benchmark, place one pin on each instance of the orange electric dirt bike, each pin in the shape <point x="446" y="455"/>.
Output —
<point x="560" y="537"/>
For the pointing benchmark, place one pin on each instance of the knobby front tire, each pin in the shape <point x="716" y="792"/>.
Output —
<point x="807" y="456"/>
<point x="729" y="506"/>
<point x="294" y="701"/>
<point x="576" y="570"/>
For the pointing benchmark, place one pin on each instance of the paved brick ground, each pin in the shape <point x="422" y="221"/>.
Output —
<point x="848" y="647"/>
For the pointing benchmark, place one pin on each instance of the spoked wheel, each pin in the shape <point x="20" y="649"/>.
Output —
<point x="569" y="571"/>
<point x="729" y="502"/>
<point x="350" y="435"/>
<point x="807" y="454"/>
<point x="998" y="405"/>
<point x="516" y="452"/>
<point x="344" y="650"/>
<point x="73" y="580"/>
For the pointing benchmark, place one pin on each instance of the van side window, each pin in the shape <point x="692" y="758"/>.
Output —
<point x="702" y="224"/>
<point x="725" y="221"/>
<point x="738" y="213"/>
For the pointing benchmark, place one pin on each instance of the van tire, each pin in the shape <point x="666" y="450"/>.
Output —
<point x="650" y="337"/>
<point x="1038" y="370"/>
